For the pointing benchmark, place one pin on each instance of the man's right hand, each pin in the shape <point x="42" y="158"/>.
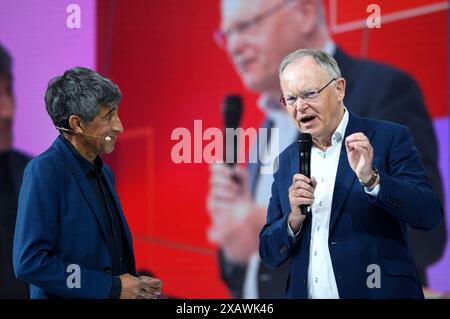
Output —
<point x="301" y="192"/>
<point x="135" y="288"/>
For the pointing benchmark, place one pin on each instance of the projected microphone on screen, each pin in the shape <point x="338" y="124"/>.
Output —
<point x="232" y="112"/>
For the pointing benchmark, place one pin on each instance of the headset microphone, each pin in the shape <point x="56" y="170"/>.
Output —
<point x="106" y="138"/>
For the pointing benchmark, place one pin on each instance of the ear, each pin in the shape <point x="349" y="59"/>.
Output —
<point x="75" y="124"/>
<point x="340" y="87"/>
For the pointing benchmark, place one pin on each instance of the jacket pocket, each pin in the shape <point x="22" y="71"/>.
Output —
<point x="403" y="268"/>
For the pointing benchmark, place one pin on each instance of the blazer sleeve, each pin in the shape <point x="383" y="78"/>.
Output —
<point x="275" y="245"/>
<point x="35" y="257"/>
<point x="405" y="191"/>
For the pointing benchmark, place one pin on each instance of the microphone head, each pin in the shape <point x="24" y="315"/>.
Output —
<point x="232" y="110"/>
<point x="305" y="142"/>
<point x="108" y="138"/>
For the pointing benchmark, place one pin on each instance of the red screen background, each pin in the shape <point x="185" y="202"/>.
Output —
<point x="162" y="55"/>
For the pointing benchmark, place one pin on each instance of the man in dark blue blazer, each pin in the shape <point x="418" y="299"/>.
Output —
<point x="72" y="239"/>
<point x="250" y="33"/>
<point x="367" y="183"/>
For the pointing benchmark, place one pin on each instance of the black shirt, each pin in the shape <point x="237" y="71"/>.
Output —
<point x="118" y="246"/>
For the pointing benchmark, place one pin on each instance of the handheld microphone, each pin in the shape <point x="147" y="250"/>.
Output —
<point x="106" y="138"/>
<point x="304" y="152"/>
<point x="232" y="112"/>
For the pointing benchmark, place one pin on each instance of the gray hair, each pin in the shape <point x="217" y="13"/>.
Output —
<point x="79" y="91"/>
<point x="326" y="61"/>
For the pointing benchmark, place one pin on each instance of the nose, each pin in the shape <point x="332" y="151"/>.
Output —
<point x="6" y="106"/>
<point x="235" y="44"/>
<point x="301" y="105"/>
<point x="117" y="126"/>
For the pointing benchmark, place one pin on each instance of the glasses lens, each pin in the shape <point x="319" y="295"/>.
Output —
<point x="310" y="95"/>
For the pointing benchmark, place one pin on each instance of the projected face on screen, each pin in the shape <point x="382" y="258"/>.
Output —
<point x="7" y="105"/>
<point x="257" y="34"/>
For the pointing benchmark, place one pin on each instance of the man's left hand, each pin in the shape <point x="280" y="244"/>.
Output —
<point x="153" y="289"/>
<point x="360" y="155"/>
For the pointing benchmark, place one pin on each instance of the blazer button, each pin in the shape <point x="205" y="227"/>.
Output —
<point x="107" y="269"/>
<point x="304" y="281"/>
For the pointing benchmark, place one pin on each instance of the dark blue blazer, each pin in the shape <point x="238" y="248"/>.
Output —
<point x="58" y="224"/>
<point x="363" y="230"/>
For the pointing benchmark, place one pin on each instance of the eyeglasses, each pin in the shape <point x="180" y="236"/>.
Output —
<point x="305" y="96"/>
<point x="222" y="36"/>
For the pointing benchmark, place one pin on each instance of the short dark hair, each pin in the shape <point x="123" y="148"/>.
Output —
<point x="5" y="62"/>
<point x="79" y="91"/>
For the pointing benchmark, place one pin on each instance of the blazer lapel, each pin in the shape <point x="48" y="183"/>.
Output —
<point x="295" y="162"/>
<point x="82" y="181"/>
<point x="345" y="176"/>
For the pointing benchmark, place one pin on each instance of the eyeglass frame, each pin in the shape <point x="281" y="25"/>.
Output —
<point x="303" y="97"/>
<point x="220" y="37"/>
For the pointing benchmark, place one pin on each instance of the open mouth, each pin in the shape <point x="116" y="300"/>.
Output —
<point x="307" y="119"/>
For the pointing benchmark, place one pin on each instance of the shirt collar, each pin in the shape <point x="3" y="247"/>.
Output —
<point x="339" y="133"/>
<point x="329" y="48"/>
<point x="86" y="166"/>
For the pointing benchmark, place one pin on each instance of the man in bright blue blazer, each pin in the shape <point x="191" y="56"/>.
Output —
<point x="72" y="239"/>
<point x="367" y="183"/>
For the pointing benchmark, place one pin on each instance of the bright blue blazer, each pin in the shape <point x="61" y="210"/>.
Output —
<point x="363" y="230"/>
<point x="59" y="223"/>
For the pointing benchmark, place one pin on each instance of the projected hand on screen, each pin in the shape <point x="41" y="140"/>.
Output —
<point x="235" y="219"/>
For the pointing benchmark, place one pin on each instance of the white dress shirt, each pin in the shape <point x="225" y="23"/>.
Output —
<point x="321" y="279"/>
